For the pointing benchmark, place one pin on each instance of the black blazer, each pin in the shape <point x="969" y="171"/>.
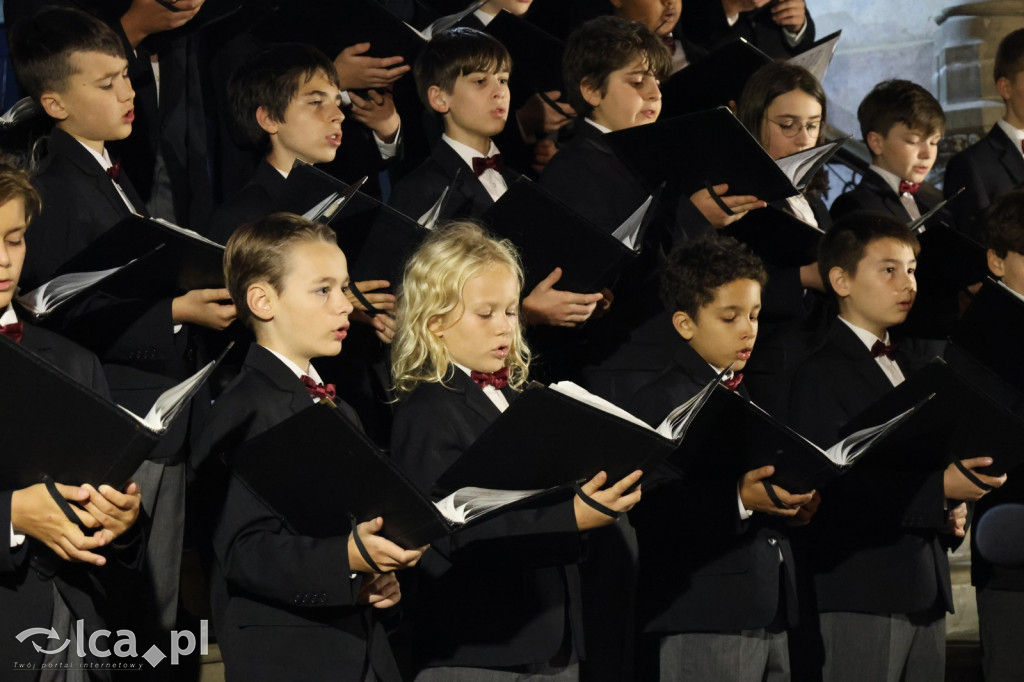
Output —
<point x="874" y="194"/>
<point x="714" y="572"/>
<point x="704" y="22"/>
<point x="263" y="195"/>
<point x="990" y="167"/>
<point x="421" y="188"/>
<point x="283" y="604"/>
<point x="504" y="593"/>
<point x="874" y="540"/>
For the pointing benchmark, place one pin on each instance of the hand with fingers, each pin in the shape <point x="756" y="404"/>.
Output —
<point x="557" y="308"/>
<point x="380" y="590"/>
<point x="35" y="513"/>
<point x="377" y="112"/>
<point x="739" y="205"/>
<point x="143" y="18"/>
<point x="385" y="554"/>
<point x="956" y="520"/>
<point x="755" y="497"/>
<point x="358" y="71"/>
<point x="115" y="511"/>
<point x="618" y="498"/>
<point x="383" y="325"/>
<point x="957" y="486"/>
<point x="790" y="14"/>
<point x="206" y="307"/>
<point x="537" y="117"/>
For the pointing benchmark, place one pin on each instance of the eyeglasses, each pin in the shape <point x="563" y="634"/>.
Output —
<point x="791" y="127"/>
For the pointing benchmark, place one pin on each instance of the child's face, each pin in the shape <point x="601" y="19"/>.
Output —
<point x="632" y="97"/>
<point x="311" y="128"/>
<point x="98" y="104"/>
<point x="792" y="123"/>
<point x="725" y="329"/>
<point x="909" y="154"/>
<point x="881" y="292"/>
<point x="308" y="317"/>
<point x="479" y="333"/>
<point x="659" y="16"/>
<point x="476" y="109"/>
<point x="12" y="248"/>
<point x="516" y="7"/>
<point x="1009" y="269"/>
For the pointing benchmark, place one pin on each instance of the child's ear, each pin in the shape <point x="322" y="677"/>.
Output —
<point x="875" y="140"/>
<point x="436" y="325"/>
<point x="1005" y="88"/>
<point x="684" y="324"/>
<point x="260" y="299"/>
<point x="996" y="264"/>
<point x="438" y="99"/>
<point x="591" y="92"/>
<point x="840" y="281"/>
<point x="53" y="105"/>
<point x="266" y="121"/>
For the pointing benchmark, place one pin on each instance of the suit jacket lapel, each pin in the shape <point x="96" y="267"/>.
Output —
<point x="867" y="366"/>
<point x="474" y="397"/>
<point x="1009" y="155"/>
<point x="280" y="376"/>
<point x="891" y="200"/>
<point x="76" y="153"/>
<point x="468" y="186"/>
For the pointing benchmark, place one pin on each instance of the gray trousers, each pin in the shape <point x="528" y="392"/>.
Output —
<point x="746" y="656"/>
<point x="541" y="673"/>
<point x="884" y="648"/>
<point x="1001" y="620"/>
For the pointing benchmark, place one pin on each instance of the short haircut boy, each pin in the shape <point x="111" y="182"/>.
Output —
<point x="899" y="101"/>
<point x="271" y="79"/>
<point x="258" y="252"/>
<point x="843" y="246"/>
<point x="457" y="52"/>
<point x="1009" y="56"/>
<point x="694" y="270"/>
<point x="16" y="183"/>
<point x="1004" y="222"/>
<point x="42" y="46"/>
<point x="606" y="44"/>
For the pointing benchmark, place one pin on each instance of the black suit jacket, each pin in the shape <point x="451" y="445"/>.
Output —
<point x="263" y="194"/>
<point x="504" y="593"/>
<point x="874" y="194"/>
<point x="874" y="540"/>
<point x="705" y="22"/>
<point x="715" y="572"/>
<point x="421" y="188"/>
<point x="987" y="169"/>
<point x="283" y="604"/>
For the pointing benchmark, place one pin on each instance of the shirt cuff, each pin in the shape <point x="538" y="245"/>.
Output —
<point x="744" y="512"/>
<point x="388" y="150"/>
<point x="16" y="538"/>
<point x="733" y="19"/>
<point x="177" y="328"/>
<point x="793" y="39"/>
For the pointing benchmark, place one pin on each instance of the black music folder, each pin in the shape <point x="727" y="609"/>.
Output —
<point x="966" y="421"/>
<point x="990" y="331"/>
<point x="714" y="81"/>
<point x="550" y="234"/>
<point x="536" y="56"/>
<point x="780" y="238"/>
<point x="700" y="150"/>
<point x="56" y="427"/>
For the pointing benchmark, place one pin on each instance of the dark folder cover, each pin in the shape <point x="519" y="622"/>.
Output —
<point x="779" y="237"/>
<point x="316" y="468"/>
<point x="714" y="81"/>
<point x="546" y="439"/>
<point x="965" y="421"/>
<point x="700" y="149"/>
<point x="536" y="56"/>
<point x="56" y="427"/>
<point x="990" y="331"/>
<point x="550" y="234"/>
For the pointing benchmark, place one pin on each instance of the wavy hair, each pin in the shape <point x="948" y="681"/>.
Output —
<point x="432" y="287"/>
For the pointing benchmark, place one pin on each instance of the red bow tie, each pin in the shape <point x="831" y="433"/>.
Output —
<point x="114" y="172"/>
<point x="497" y="379"/>
<point x="734" y="383"/>
<point x="316" y="390"/>
<point x="670" y="43"/>
<point x="886" y="349"/>
<point x="480" y="163"/>
<point x="909" y="187"/>
<point x="15" y="330"/>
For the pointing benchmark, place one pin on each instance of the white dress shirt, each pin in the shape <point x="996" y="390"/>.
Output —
<point x="490" y="178"/>
<point x="1016" y="135"/>
<point x="493" y="394"/>
<point x="105" y="162"/>
<point x="906" y="198"/>
<point x="889" y="366"/>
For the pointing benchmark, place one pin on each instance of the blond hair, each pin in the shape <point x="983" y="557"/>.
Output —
<point x="432" y="288"/>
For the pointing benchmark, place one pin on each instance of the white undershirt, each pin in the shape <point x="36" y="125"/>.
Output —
<point x="906" y="198"/>
<point x="889" y="366"/>
<point x="490" y="178"/>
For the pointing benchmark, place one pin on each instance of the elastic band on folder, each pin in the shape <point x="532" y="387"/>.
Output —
<point x="969" y="475"/>
<point x="770" y="489"/>
<point x="362" y="548"/>
<point x="51" y="487"/>
<point x="591" y="502"/>
<point x="718" y="199"/>
<point x="370" y="309"/>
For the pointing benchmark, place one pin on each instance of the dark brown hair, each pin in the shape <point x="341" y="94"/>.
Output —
<point x="898" y="101"/>
<point x="694" y="270"/>
<point x="455" y="53"/>
<point x="844" y="244"/>
<point x="1004" y="223"/>
<point x="16" y="184"/>
<point x="1009" y="55"/>
<point x="771" y="81"/>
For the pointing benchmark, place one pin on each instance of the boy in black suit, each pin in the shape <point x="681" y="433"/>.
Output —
<point x="286" y="101"/>
<point x="288" y="606"/>
<point x="45" y="548"/>
<point x="994" y="164"/>
<point x="662" y="19"/>
<point x="882" y="586"/>
<point x="732" y="588"/>
<point x="780" y="29"/>
<point x="902" y="124"/>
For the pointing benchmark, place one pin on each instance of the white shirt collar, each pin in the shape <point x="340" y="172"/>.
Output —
<point x="310" y="371"/>
<point x="484" y="17"/>
<point x="8" y="316"/>
<point x="891" y="179"/>
<point x="1016" y="135"/>
<point x="467" y="153"/>
<point x="866" y="337"/>
<point x="597" y="125"/>
<point x="718" y="370"/>
<point x="102" y="159"/>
